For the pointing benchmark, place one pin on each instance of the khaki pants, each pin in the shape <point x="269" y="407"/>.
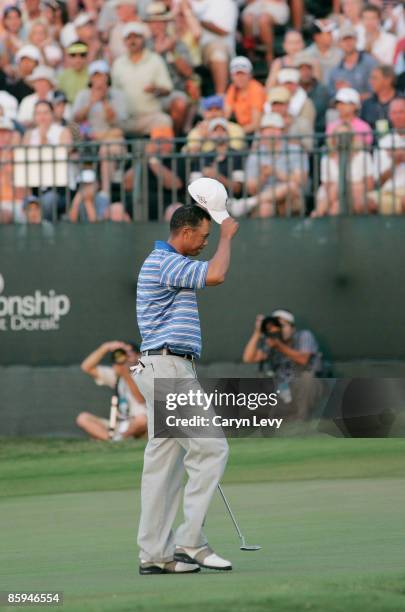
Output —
<point x="166" y="461"/>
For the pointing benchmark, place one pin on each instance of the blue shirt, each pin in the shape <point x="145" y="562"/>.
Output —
<point x="166" y="300"/>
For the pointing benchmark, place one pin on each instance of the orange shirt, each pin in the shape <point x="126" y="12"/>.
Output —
<point x="243" y="102"/>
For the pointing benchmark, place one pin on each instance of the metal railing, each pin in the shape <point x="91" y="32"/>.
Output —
<point x="342" y="174"/>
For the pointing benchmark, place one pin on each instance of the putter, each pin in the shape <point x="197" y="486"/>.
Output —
<point x="243" y="545"/>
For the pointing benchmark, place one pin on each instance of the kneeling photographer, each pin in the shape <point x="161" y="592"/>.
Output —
<point x="128" y="416"/>
<point x="291" y="357"/>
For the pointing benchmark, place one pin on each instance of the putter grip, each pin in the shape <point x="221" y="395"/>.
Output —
<point x="113" y="415"/>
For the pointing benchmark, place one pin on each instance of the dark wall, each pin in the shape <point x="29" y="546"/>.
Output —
<point x="344" y="279"/>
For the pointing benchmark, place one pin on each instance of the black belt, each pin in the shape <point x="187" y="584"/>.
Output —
<point x="167" y="351"/>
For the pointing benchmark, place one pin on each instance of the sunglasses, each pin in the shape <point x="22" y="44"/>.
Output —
<point x="78" y="54"/>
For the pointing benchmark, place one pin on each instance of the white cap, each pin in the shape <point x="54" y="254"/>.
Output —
<point x="218" y="122"/>
<point x="284" y="314"/>
<point x="135" y="27"/>
<point x="30" y="51"/>
<point x="348" y="95"/>
<point x="288" y="75"/>
<point x="99" y="66"/>
<point x="211" y="195"/>
<point x="43" y="72"/>
<point x="272" y="120"/>
<point x="9" y="104"/>
<point x="6" y="124"/>
<point x="68" y="35"/>
<point x="87" y="176"/>
<point x="82" y="19"/>
<point x="241" y="64"/>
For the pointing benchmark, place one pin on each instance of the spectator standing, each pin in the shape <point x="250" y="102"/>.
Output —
<point x="178" y="61"/>
<point x="374" y="110"/>
<point x="355" y="68"/>
<point x="245" y="96"/>
<point x="276" y="172"/>
<point x="74" y="78"/>
<point x="315" y="90"/>
<point x="258" y="19"/>
<point x="293" y="43"/>
<point x="148" y="70"/>
<point x="126" y="12"/>
<point x="377" y="42"/>
<point x="323" y="49"/>
<point x="218" y="22"/>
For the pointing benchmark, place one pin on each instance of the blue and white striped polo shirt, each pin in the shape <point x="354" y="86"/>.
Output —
<point x="166" y="301"/>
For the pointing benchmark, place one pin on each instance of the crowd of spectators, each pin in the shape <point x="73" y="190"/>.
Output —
<point x="207" y="89"/>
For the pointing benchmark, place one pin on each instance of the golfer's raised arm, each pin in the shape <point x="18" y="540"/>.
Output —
<point x="219" y="264"/>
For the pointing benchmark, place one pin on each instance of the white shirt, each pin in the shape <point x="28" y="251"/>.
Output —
<point x="361" y="166"/>
<point x="383" y="162"/>
<point x="106" y="376"/>
<point x="223" y="14"/>
<point x="383" y="48"/>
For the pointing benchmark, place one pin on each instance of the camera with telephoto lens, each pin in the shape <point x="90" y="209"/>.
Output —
<point x="119" y="356"/>
<point x="272" y="322"/>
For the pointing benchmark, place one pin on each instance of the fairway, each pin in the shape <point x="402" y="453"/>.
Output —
<point x="332" y="543"/>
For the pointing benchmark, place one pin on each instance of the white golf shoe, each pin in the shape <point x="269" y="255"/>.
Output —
<point x="170" y="567"/>
<point x="203" y="555"/>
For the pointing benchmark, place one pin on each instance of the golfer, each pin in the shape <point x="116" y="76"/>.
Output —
<point x="171" y="342"/>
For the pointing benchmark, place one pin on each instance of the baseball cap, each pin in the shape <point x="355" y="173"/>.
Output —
<point x="347" y="31"/>
<point x="284" y="314"/>
<point x="30" y="51"/>
<point x="9" y="104"/>
<point x="347" y="95"/>
<point x="99" y="66"/>
<point x="218" y="122"/>
<point x="87" y="176"/>
<point x="82" y="19"/>
<point x="43" y="72"/>
<point x="324" y="26"/>
<point x="6" y="124"/>
<point x="241" y="64"/>
<point x="279" y="94"/>
<point x="59" y="96"/>
<point x="303" y="59"/>
<point x="77" y="47"/>
<point x="272" y="120"/>
<point x="136" y="27"/>
<point x="288" y="75"/>
<point x="212" y="102"/>
<point x="211" y="195"/>
<point x="157" y="11"/>
<point x="124" y="3"/>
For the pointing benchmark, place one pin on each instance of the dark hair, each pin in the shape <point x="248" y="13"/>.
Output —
<point x="46" y="102"/>
<point x="372" y="8"/>
<point x="134" y="346"/>
<point x="190" y="216"/>
<point x="9" y="9"/>
<point x="387" y="72"/>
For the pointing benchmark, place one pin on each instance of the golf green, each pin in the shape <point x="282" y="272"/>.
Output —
<point x="328" y="513"/>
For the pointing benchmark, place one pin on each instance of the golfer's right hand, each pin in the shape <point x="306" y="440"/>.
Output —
<point x="229" y="227"/>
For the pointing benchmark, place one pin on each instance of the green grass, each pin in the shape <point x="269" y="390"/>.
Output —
<point x="329" y="514"/>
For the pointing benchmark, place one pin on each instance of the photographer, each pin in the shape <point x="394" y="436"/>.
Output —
<point x="132" y="420"/>
<point x="290" y="356"/>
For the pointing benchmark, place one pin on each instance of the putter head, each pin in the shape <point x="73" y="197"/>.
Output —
<point x="250" y="548"/>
